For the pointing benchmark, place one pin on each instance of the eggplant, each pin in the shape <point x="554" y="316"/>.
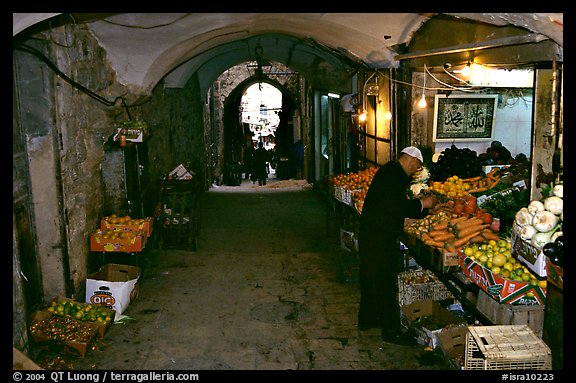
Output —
<point x="554" y="252"/>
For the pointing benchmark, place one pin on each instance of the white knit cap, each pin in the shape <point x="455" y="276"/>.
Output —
<point x="414" y="152"/>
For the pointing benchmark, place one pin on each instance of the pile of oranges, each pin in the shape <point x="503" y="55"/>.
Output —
<point x="452" y="187"/>
<point x="355" y="181"/>
<point x="358" y="183"/>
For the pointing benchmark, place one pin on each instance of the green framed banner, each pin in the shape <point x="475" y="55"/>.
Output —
<point x="464" y="117"/>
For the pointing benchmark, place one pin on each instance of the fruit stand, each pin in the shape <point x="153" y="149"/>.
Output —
<point x="485" y="241"/>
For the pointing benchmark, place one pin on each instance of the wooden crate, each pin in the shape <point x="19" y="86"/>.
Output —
<point x="505" y="314"/>
<point x="513" y="347"/>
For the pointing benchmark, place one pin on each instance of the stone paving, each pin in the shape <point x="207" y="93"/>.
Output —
<point x="261" y="292"/>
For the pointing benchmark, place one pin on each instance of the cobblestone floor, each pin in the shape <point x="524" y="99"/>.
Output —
<point x="261" y="292"/>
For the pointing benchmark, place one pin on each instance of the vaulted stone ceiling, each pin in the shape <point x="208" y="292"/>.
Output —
<point x="144" y="48"/>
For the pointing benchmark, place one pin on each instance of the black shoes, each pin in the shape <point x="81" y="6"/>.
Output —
<point x="400" y="339"/>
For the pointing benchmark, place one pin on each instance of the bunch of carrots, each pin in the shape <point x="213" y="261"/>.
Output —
<point x="455" y="233"/>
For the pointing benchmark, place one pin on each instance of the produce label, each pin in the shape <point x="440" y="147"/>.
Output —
<point x="501" y="289"/>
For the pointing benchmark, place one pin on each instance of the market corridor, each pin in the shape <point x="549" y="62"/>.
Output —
<point x="261" y="292"/>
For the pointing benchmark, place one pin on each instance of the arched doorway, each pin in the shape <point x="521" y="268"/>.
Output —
<point x="237" y="133"/>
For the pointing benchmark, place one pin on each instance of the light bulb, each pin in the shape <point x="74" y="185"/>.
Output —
<point x="388" y="116"/>
<point x="422" y="103"/>
<point x="362" y="117"/>
<point x="465" y="71"/>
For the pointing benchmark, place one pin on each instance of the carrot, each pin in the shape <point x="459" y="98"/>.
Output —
<point x="440" y="225"/>
<point x="443" y="237"/>
<point x="435" y="233"/>
<point x="471" y="229"/>
<point x="478" y="238"/>
<point x="450" y="247"/>
<point x="433" y="243"/>
<point x="496" y="182"/>
<point x="469" y="222"/>
<point x="472" y="179"/>
<point x="462" y="241"/>
<point x="477" y="190"/>
<point x="454" y="221"/>
<point x="489" y="234"/>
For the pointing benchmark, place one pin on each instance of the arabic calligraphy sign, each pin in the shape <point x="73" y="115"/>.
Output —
<point x="464" y="117"/>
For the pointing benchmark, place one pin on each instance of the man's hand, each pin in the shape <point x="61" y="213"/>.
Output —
<point x="429" y="201"/>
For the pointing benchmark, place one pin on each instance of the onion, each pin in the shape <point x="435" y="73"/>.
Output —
<point x="544" y="221"/>
<point x="558" y="191"/>
<point x="527" y="232"/>
<point x="554" y="205"/>
<point x="535" y="206"/>
<point x="523" y="217"/>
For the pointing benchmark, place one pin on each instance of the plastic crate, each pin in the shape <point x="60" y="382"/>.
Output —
<point x="419" y="285"/>
<point x="513" y="347"/>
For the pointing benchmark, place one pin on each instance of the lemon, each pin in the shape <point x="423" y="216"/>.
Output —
<point x="492" y="243"/>
<point x="495" y="269"/>
<point x="542" y="284"/>
<point x="498" y="260"/>
<point x="525" y="276"/>
<point x="478" y="254"/>
<point x="505" y="273"/>
<point x="508" y="266"/>
<point x="483" y="258"/>
<point x="468" y="251"/>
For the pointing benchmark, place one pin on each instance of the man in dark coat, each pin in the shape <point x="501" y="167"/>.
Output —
<point x="261" y="158"/>
<point x="381" y="223"/>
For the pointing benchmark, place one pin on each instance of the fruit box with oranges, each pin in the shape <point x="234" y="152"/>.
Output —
<point x="71" y="336"/>
<point x="101" y="242"/>
<point x="145" y="224"/>
<point x="501" y="289"/>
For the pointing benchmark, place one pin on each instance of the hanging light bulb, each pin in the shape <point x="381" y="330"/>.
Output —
<point x="388" y="116"/>
<point x="465" y="72"/>
<point x="422" y="103"/>
<point x="362" y="116"/>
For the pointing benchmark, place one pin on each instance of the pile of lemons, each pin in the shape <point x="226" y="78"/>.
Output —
<point x="497" y="257"/>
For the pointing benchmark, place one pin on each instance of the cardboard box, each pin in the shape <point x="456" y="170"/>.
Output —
<point x="529" y="254"/>
<point x="145" y="226"/>
<point x="503" y="314"/>
<point x="501" y="289"/>
<point x="46" y="336"/>
<point x="446" y="261"/>
<point x="554" y="274"/>
<point x="114" y="286"/>
<point x="180" y="173"/>
<point x="420" y="316"/>
<point x="452" y="342"/>
<point x="128" y="245"/>
<point x="102" y="327"/>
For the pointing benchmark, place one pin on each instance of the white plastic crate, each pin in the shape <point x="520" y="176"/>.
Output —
<point x="514" y="347"/>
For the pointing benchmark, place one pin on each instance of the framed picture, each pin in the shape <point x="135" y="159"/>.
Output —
<point x="464" y="117"/>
